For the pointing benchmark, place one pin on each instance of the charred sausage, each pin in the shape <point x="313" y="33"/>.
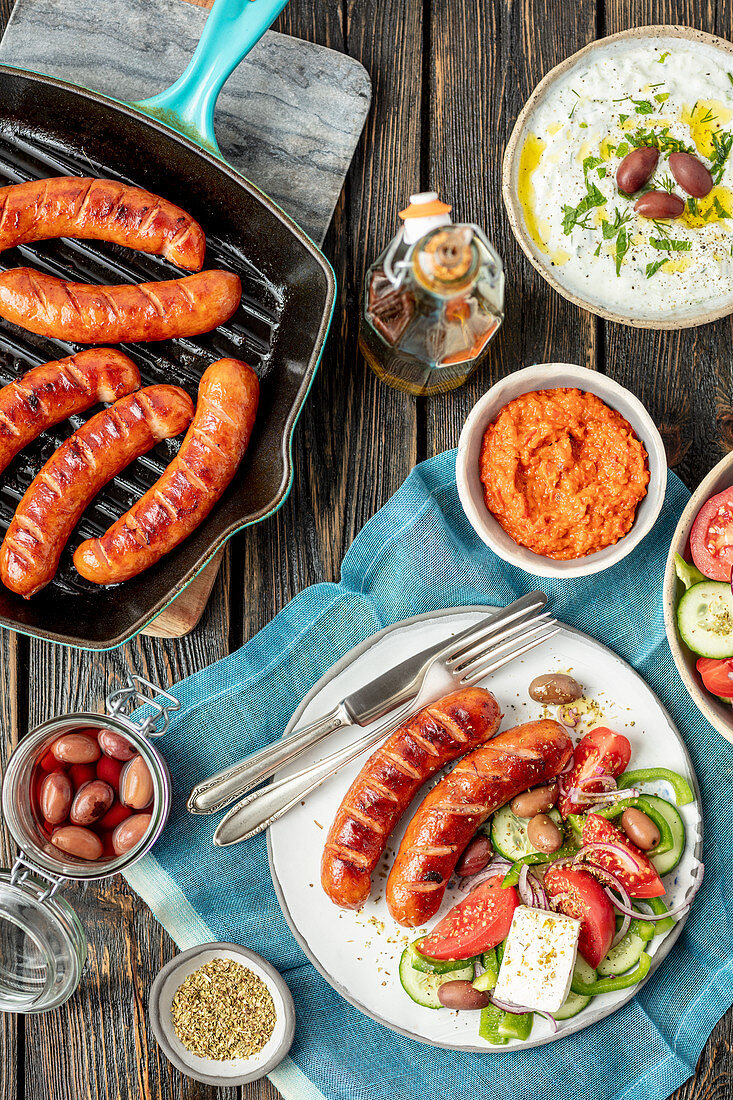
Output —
<point x="390" y="779"/>
<point x="451" y="813"/>
<point x="89" y="314"/>
<point x="52" y="392"/>
<point x="185" y="494"/>
<point x="99" y="210"/>
<point x="54" y="501"/>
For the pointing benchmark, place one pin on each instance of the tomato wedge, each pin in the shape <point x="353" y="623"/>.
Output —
<point x="635" y="871"/>
<point x="580" y="895"/>
<point x="476" y="924"/>
<point x="601" y="751"/>
<point x="717" y="675"/>
<point x="711" y="538"/>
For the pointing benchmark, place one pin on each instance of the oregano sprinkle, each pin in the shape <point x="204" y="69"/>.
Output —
<point x="222" y="1011"/>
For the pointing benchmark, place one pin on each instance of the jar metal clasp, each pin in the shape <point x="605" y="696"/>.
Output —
<point x="137" y="692"/>
<point x="23" y="869"/>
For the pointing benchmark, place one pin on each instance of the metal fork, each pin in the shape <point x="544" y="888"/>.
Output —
<point x="466" y="665"/>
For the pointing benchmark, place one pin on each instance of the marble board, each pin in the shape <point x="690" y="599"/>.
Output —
<point x="288" y="118"/>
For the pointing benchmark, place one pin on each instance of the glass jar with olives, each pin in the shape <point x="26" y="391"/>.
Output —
<point x="84" y="796"/>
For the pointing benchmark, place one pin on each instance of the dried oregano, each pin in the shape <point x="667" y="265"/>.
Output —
<point x="223" y="1010"/>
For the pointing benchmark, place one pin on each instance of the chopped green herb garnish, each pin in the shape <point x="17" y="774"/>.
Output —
<point x="653" y="267"/>
<point x="622" y="119"/>
<point x="667" y="184"/>
<point x="722" y="143"/>
<point x="578" y="215"/>
<point x="693" y="208"/>
<point x="660" y="139"/>
<point x="730" y="77"/>
<point x="589" y="164"/>
<point x="668" y="245"/>
<point x="662" y="97"/>
<point x="643" y="107"/>
<point x="663" y="58"/>
<point x="719" y="208"/>
<point x="617" y="229"/>
<point x="622" y="149"/>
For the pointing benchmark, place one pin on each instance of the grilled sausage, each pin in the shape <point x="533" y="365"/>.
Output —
<point x="99" y="210"/>
<point x="54" y="501"/>
<point x="451" y="813"/>
<point x="88" y="314"/>
<point x="390" y="779"/>
<point x="52" y="392"/>
<point x="185" y="494"/>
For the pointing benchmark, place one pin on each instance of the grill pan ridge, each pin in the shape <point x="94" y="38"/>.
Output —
<point x="48" y="128"/>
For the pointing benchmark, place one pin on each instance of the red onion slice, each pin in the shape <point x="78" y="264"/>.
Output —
<point x="589" y="797"/>
<point x="470" y="882"/>
<point x="681" y="908"/>
<point x="614" y="849"/>
<point x="625" y="924"/>
<point x="517" y="1010"/>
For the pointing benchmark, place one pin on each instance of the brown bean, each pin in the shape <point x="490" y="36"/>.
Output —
<point x="659" y="205"/>
<point x="136" y="784"/>
<point x="56" y="795"/>
<point x="637" y="168"/>
<point x="555" y="688"/>
<point x="537" y="801"/>
<point x="77" y="842"/>
<point x="76" y="748"/>
<point x="475" y="857"/>
<point x="91" y="802"/>
<point x="130" y="832"/>
<point x="462" y="995"/>
<point x="543" y="834"/>
<point x="115" y="745"/>
<point x="691" y="174"/>
<point x="640" y="829"/>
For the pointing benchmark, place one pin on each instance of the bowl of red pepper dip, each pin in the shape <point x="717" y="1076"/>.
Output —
<point x="560" y="470"/>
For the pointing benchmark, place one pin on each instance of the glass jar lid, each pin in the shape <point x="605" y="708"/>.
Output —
<point x="43" y="947"/>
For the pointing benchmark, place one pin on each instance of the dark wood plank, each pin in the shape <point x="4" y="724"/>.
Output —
<point x="485" y="60"/>
<point x="12" y="695"/>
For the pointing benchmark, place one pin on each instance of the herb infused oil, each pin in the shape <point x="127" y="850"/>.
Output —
<point x="433" y="301"/>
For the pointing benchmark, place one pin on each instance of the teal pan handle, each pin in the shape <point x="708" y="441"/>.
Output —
<point x="233" y="27"/>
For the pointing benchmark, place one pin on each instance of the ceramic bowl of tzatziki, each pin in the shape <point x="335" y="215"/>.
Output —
<point x="618" y="177"/>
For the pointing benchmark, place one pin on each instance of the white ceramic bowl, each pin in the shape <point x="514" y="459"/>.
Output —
<point x="718" y="714"/>
<point x="547" y="376"/>
<point x="636" y="315"/>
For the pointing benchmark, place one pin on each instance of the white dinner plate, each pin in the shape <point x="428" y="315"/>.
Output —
<point x="358" y="953"/>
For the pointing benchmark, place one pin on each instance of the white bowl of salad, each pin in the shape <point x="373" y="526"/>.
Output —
<point x="698" y="601"/>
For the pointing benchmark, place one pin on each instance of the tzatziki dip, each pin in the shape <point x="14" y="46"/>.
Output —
<point x="667" y="96"/>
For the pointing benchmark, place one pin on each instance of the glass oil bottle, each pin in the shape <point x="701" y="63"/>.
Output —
<point x="433" y="301"/>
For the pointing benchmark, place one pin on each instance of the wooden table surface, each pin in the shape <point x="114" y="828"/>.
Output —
<point x="449" y="78"/>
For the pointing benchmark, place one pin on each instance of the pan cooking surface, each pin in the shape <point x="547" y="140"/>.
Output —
<point x="49" y="129"/>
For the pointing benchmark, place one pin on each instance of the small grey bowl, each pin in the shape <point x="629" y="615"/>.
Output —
<point x="237" y="1071"/>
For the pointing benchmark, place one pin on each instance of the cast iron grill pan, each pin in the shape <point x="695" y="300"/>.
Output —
<point x="48" y="129"/>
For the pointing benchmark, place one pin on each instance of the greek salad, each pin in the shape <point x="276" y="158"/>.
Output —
<point x="705" y="609"/>
<point x="563" y="893"/>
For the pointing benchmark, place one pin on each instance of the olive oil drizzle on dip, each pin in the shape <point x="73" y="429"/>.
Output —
<point x="668" y="92"/>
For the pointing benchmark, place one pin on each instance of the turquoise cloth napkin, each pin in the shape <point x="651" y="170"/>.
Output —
<point x="418" y="554"/>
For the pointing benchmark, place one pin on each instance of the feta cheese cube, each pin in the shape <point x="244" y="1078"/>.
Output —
<point x="539" y="958"/>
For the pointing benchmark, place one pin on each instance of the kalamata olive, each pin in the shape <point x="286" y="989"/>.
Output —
<point x="76" y="748"/>
<point x="77" y="842"/>
<point x="543" y="834"/>
<point x="476" y="856"/>
<point x="537" y="801"/>
<point x="691" y="174"/>
<point x="640" y="829"/>
<point x="115" y="745"/>
<point x="56" y="795"/>
<point x="130" y="832"/>
<point x="555" y="689"/>
<point x="461" y="995"/>
<point x="659" y="205"/>
<point x="136" y="784"/>
<point x="637" y="168"/>
<point x="91" y="802"/>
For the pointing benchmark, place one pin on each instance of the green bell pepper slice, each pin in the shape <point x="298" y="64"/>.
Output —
<point x="488" y="1027"/>
<point x="511" y="878"/>
<point x="610" y="985"/>
<point x="658" y="907"/>
<point x="490" y="976"/>
<point x="682" y="789"/>
<point x="512" y="1026"/>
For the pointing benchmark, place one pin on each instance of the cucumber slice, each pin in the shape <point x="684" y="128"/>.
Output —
<point x="574" y="1003"/>
<point x="622" y="957"/>
<point x="705" y="619"/>
<point x="667" y="861"/>
<point x="584" y="972"/>
<point x="423" y="987"/>
<point x="509" y="833"/>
